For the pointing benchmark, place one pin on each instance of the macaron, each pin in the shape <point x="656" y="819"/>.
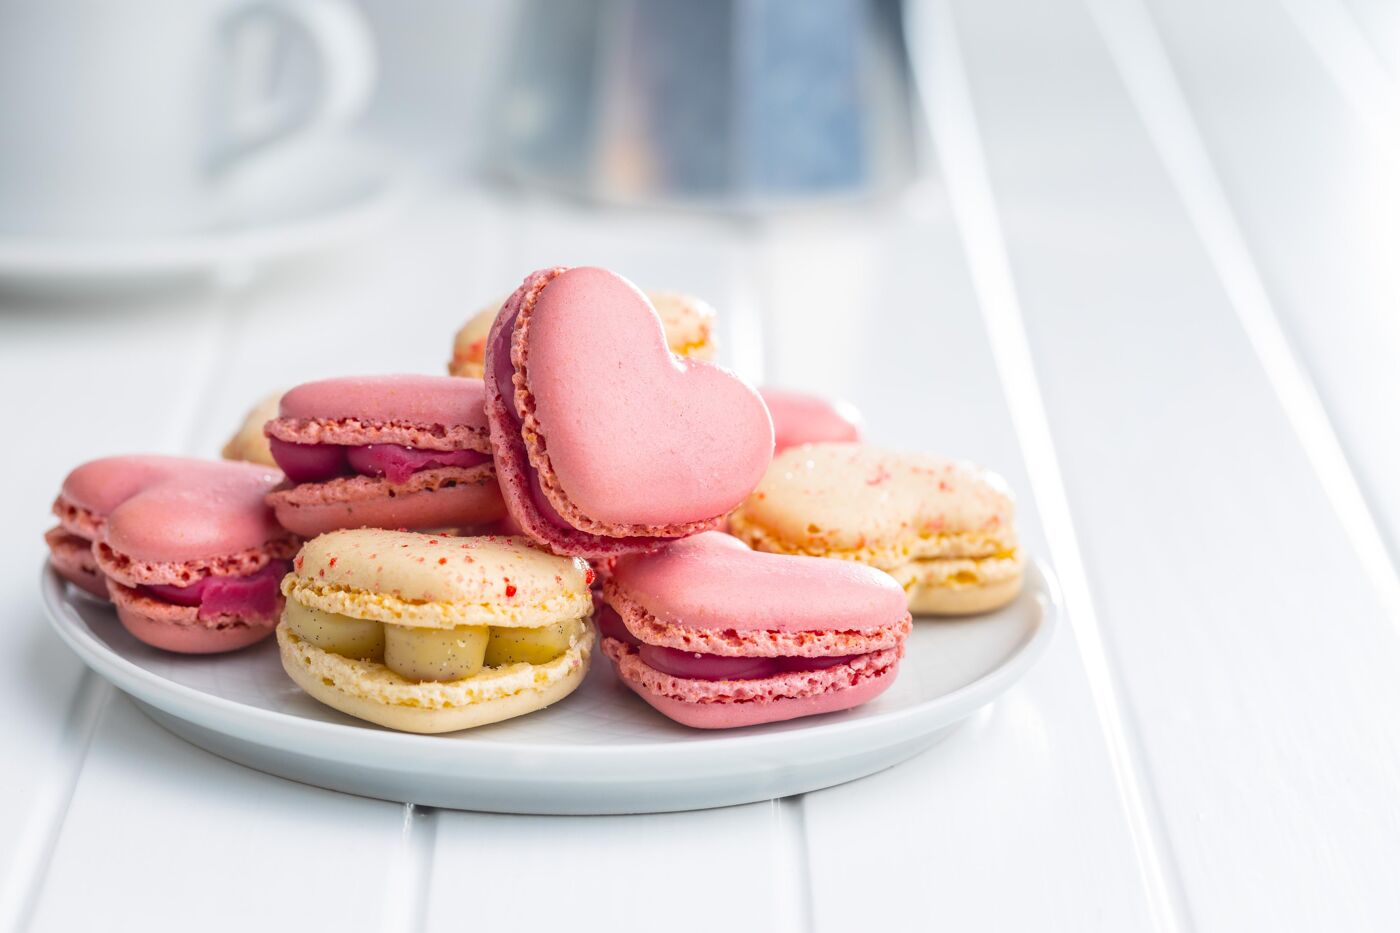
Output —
<point x="944" y="529"/>
<point x="249" y="443"/>
<point x="384" y="452"/>
<point x="803" y="418"/>
<point x="687" y="322"/>
<point x="428" y="633"/>
<point x="716" y="636"/>
<point x="187" y="549"/>
<point x="605" y="441"/>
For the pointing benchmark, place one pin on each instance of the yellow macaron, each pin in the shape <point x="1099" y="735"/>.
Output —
<point x="249" y="442"/>
<point x="434" y="633"/>
<point x="687" y="321"/>
<point x="944" y="529"/>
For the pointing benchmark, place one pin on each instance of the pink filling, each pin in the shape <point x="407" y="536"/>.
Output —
<point x="316" y="463"/>
<point x="610" y="624"/>
<point x="254" y="596"/>
<point x="695" y="666"/>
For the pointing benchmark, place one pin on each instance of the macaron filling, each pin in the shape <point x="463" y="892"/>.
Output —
<point x="421" y="654"/>
<point x="254" y="596"/>
<point x="317" y="463"/>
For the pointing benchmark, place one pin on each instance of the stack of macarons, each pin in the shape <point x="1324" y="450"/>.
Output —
<point x="187" y="550"/>
<point x="385" y="452"/>
<point x="585" y="415"/>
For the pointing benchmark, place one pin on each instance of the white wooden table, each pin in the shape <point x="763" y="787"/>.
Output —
<point x="1155" y="283"/>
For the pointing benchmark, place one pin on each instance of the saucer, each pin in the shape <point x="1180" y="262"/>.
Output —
<point x="300" y="204"/>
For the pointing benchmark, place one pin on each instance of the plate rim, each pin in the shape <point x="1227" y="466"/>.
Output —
<point x="241" y="720"/>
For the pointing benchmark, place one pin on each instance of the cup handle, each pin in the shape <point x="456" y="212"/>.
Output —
<point x="344" y="63"/>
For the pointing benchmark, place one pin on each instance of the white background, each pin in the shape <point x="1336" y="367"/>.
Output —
<point x="1154" y="283"/>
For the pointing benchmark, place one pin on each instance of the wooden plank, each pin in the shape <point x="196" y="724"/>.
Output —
<point x="702" y="870"/>
<point x="94" y="379"/>
<point x="884" y="314"/>
<point x="1309" y="170"/>
<point x="163" y="836"/>
<point x="1257" y="655"/>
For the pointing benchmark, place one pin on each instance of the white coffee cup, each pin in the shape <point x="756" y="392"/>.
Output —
<point x="127" y="117"/>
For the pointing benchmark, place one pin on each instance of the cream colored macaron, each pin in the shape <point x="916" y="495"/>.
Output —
<point x="433" y="633"/>
<point x="249" y="442"/>
<point x="687" y="321"/>
<point x="943" y="528"/>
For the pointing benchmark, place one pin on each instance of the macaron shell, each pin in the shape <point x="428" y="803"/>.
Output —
<point x="428" y="400"/>
<point x="687" y="322"/>
<point x="715" y="713"/>
<point x="375" y="694"/>
<point x="824" y="498"/>
<point x="175" y="628"/>
<point x="933" y="598"/>
<point x="424" y="501"/>
<point x="634" y="435"/>
<point x="439" y="581"/>
<point x="129" y="571"/>
<point x="203" y="515"/>
<point x="72" y="557"/>
<point x="512" y="472"/>
<point x="801" y="418"/>
<point x="173" y="508"/>
<point x="469" y="345"/>
<point x="249" y="443"/>
<point x="100" y="486"/>
<point x="729" y="641"/>
<point x="713" y="581"/>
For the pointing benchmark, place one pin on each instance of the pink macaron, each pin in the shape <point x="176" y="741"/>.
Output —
<point x="607" y="443"/>
<point x="397" y="452"/>
<point x="803" y="418"/>
<point x="714" y="635"/>
<point x="187" y="549"/>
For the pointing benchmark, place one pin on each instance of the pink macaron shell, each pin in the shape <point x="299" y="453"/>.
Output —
<point x="693" y="703"/>
<point x="365" y="502"/>
<point x="419" y="399"/>
<point x="636" y="435"/>
<point x="72" y="557"/>
<point x="99" y="486"/>
<point x="728" y="641"/>
<point x="713" y="581"/>
<point x="199" y="514"/>
<point x="176" y="628"/>
<point x="801" y="418"/>
<point x="513" y="474"/>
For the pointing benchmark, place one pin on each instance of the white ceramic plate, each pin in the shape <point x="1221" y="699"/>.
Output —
<point x="600" y="751"/>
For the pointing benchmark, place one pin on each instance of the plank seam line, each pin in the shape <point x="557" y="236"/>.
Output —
<point x="1143" y="64"/>
<point x="947" y="97"/>
<point x="791" y="814"/>
<point x="19" y="895"/>
<point x="409" y="880"/>
<point x="1350" y="60"/>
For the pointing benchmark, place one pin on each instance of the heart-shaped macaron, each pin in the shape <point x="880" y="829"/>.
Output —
<point x="612" y="443"/>
<point x="190" y="552"/>
<point x="715" y="635"/>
